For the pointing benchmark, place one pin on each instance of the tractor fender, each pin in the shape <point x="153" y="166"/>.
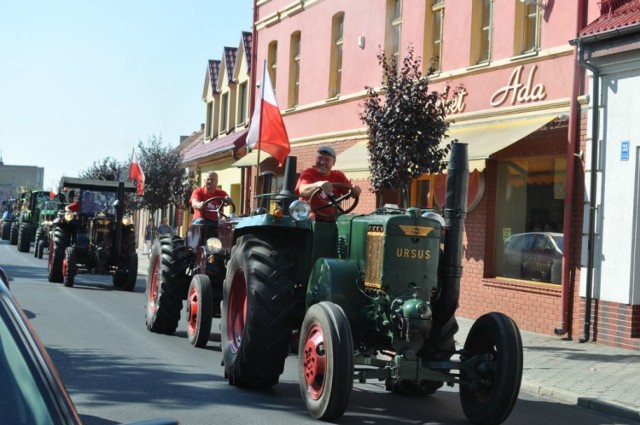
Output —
<point x="338" y="281"/>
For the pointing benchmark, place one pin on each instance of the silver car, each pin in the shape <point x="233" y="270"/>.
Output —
<point x="535" y="256"/>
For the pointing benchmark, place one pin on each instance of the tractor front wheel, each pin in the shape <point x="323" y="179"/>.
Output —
<point x="493" y="349"/>
<point x="325" y="364"/>
<point x="199" y="310"/>
<point x="57" y="246"/>
<point x="165" y="280"/>
<point x="69" y="266"/>
<point x="257" y="305"/>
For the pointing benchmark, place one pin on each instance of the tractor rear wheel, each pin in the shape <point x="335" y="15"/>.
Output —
<point x="13" y="233"/>
<point x="199" y="310"/>
<point x="325" y="361"/>
<point x="489" y="393"/>
<point x="69" y="266"/>
<point x="6" y="230"/>
<point x="24" y="237"/>
<point x="165" y="280"/>
<point x="257" y="305"/>
<point x="57" y="246"/>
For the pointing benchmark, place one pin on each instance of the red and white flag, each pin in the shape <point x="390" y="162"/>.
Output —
<point x="52" y="194"/>
<point x="267" y="131"/>
<point x="135" y="173"/>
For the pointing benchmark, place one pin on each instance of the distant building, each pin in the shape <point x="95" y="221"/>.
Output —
<point x="15" y="177"/>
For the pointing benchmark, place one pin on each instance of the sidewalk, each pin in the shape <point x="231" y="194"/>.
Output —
<point x="590" y="375"/>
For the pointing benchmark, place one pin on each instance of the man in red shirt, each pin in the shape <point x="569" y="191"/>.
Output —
<point x="322" y="176"/>
<point x="203" y="212"/>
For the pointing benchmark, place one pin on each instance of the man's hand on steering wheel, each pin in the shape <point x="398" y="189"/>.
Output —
<point x="210" y="206"/>
<point x="332" y="208"/>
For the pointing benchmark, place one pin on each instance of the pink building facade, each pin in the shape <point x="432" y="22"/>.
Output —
<point x="523" y="115"/>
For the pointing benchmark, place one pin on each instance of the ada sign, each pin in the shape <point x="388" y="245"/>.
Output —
<point x="624" y="150"/>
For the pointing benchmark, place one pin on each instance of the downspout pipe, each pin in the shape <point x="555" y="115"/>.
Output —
<point x="595" y="131"/>
<point x="572" y="148"/>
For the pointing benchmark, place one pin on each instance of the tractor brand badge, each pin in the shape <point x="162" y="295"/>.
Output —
<point x="415" y="230"/>
<point x="413" y="254"/>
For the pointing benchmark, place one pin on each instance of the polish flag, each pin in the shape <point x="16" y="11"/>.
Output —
<point x="52" y="194"/>
<point x="267" y="130"/>
<point x="135" y="173"/>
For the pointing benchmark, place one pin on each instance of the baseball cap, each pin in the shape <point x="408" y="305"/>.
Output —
<point x="327" y="150"/>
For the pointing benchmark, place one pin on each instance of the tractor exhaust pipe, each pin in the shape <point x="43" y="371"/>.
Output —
<point x="287" y="194"/>
<point x="455" y="212"/>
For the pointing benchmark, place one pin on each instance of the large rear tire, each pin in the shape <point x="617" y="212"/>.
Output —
<point x="6" y="230"/>
<point x="257" y="305"/>
<point x="24" y="237"/>
<point x="325" y="364"/>
<point x="199" y="310"/>
<point x="13" y="233"/>
<point x="489" y="393"/>
<point x="165" y="279"/>
<point x="57" y="246"/>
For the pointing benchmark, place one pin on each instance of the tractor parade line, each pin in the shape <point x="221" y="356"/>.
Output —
<point x="589" y="375"/>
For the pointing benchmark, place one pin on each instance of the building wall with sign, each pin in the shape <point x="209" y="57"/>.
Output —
<point x="522" y="115"/>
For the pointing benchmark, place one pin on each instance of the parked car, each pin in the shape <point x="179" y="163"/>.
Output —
<point x="534" y="256"/>
<point x="31" y="392"/>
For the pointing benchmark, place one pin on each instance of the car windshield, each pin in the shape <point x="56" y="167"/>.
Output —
<point x="559" y="240"/>
<point x="94" y="201"/>
<point x="22" y="390"/>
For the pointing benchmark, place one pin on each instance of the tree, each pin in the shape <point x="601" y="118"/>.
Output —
<point x="406" y="128"/>
<point x="107" y="169"/>
<point x="166" y="180"/>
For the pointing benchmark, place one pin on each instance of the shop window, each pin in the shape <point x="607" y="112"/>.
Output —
<point x="529" y="219"/>
<point x="423" y="192"/>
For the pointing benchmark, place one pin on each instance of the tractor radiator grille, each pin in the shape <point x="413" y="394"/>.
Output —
<point x="373" y="268"/>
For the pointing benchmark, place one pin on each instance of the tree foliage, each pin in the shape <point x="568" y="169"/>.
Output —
<point x="107" y="169"/>
<point x="406" y="125"/>
<point x="166" y="180"/>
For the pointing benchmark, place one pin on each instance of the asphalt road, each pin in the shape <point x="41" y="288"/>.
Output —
<point x="117" y="371"/>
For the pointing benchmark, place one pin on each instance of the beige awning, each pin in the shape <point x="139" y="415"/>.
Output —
<point x="483" y="140"/>
<point x="251" y="159"/>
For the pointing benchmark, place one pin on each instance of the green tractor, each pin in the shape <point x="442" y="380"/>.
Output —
<point x="32" y="204"/>
<point x="49" y="212"/>
<point x="382" y="307"/>
<point x="95" y="234"/>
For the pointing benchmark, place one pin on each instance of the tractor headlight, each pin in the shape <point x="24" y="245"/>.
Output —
<point x="299" y="210"/>
<point x="127" y="220"/>
<point x="69" y="215"/>
<point x="435" y="216"/>
<point x="214" y="245"/>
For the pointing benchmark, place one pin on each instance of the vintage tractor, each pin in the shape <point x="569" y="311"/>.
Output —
<point x="381" y="307"/>
<point x="48" y="213"/>
<point x="32" y="203"/>
<point x="192" y="269"/>
<point x="98" y="238"/>
<point x="8" y="217"/>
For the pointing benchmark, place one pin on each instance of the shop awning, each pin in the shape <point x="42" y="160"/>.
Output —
<point x="251" y="159"/>
<point x="483" y="140"/>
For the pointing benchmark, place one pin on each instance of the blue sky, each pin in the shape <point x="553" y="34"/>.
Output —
<point x="81" y="80"/>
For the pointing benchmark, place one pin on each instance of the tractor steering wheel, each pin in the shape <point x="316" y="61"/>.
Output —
<point x="332" y="208"/>
<point x="208" y="209"/>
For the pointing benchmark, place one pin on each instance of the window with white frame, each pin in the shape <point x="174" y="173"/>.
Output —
<point x="224" y="112"/>
<point x="482" y="31"/>
<point x="243" y="101"/>
<point x="272" y="62"/>
<point x="337" y="33"/>
<point x="527" y="30"/>
<point x="294" y="70"/>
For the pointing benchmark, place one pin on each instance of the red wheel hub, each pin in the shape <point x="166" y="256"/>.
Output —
<point x="237" y="311"/>
<point x="193" y="309"/>
<point x="153" y="290"/>
<point x="314" y="361"/>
